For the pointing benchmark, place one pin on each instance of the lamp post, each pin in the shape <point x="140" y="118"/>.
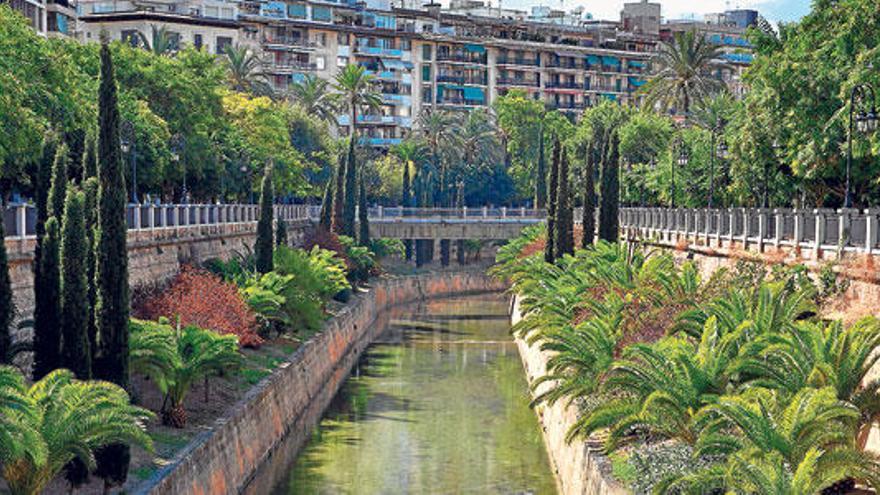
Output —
<point x="682" y="160"/>
<point x="777" y="147"/>
<point x="178" y="144"/>
<point x="722" y="148"/>
<point x="865" y="122"/>
<point x="127" y="143"/>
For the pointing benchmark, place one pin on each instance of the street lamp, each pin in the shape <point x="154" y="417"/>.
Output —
<point x="865" y="122"/>
<point x="178" y="144"/>
<point x="777" y="147"/>
<point x="127" y="144"/>
<point x="682" y="161"/>
<point x="721" y="151"/>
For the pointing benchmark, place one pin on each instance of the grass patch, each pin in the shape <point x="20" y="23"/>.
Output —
<point x="144" y="472"/>
<point x="174" y="440"/>
<point x="253" y="376"/>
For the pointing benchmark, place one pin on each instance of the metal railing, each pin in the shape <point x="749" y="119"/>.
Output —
<point x="819" y="229"/>
<point x="467" y="214"/>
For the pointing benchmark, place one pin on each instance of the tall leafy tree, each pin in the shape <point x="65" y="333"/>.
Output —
<point x="564" y="226"/>
<point x="609" y="192"/>
<point x="90" y="210"/>
<point x="409" y="152"/>
<point x="281" y="232"/>
<point x="111" y="272"/>
<point x="589" y="220"/>
<point x="326" y="217"/>
<point x="312" y="93"/>
<point x="550" y="253"/>
<point x="47" y="321"/>
<point x="263" y="249"/>
<point x="357" y="91"/>
<point x="683" y="74"/>
<point x="541" y="174"/>
<point x="75" y="349"/>
<point x="336" y="220"/>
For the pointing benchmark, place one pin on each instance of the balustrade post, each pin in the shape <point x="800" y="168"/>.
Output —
<point x="522" y="211"/>
<point x="820" y="234"/>
<point x="731" y="226"/>
<point x="21" y="221"/>
<point x="381" y="212"/>
<point x="747" y="220"/>
<point x="136" y="217"/>
<point x="503" y="212"/>
<point x="844" y="230"/>
<point x="870" y="230"/>
<point x="175" y="216"/>
<point x="762" y="229"/>
<point x="464" y="211"/>
<point x="779" y="222"/>
<point x="152" y="213"/>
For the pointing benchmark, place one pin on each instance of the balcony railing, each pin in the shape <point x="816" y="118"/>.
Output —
<point x="481" y="81"/>
<point x="529" y="62"/>
<point x="378" y="51"/>
<point x="454" y="100"/>
<point x="503" y="81"/>
<point x="564" y="85"/>
<point x="819" y="229"/>
<point x="462" y="57"/>
<point x="563" y="105"/>
<point x="288" y="41"/>
<point x="559" y="64"/>
<point x="289" y="67"/>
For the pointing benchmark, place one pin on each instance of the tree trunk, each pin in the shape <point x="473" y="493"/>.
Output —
<point x="589" y="220"/>
<point x="549" y="248"/>
<point x="609" y="193"/>
<point x="563" y="240"/>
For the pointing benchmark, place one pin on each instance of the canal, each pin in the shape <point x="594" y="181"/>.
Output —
<point x="438" y="404"/>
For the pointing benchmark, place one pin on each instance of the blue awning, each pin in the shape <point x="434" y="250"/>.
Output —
<point x="634" y="81"/>
<point x="636" y="63"/>
<point x="392" y="64"/>
<point x="606" y="60"/>
<point x="610" y="96"/>
<point x="473" y="94"/>
<point x="592" y="59"/>
<point x="475" y="48"/>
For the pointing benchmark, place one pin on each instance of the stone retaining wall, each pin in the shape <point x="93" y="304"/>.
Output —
<point x="578" y="470"/>
<point x="290" y="402"/>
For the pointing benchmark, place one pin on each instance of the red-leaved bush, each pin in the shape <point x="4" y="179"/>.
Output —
<point x="202" y="299"/>
<point x="326" y="239"/>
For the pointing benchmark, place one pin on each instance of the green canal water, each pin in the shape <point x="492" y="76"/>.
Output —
<point x="439" y="404"/>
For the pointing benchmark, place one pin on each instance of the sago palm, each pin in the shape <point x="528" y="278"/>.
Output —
<point x="440" y="130"/>
<point x="71" y="419"/>
<point x="683" y="72"/>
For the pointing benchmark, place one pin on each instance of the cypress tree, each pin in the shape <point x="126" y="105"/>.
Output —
<point x="326" y="218"/>
<point x="549" y="251"/>
<point x="351" y="187"/>
<point x="338" y="198"/>
<point x="541" y="173"/>
<point x="363" y="214"/>
<point x="406" y="202"/>
<point x="90" y="159"/>
<point x="589" y="220"/>
<point x="42" y="183"/>
<point x="75" y="350"/>
<point x="47" y="324"/>
<point x="57" y="190"/>
<point x="111" y="273"/>
<point x="563" y="236"/>
<point x="609" y="192"/>
<point x="90" y="209"/>
<point x="263" y="247"/>
<point x="7" y="305"/>
<point x="281" y="232"/>
<point x="76" y="142"/>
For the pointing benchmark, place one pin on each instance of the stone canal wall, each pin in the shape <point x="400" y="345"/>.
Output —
<point x="578" y="470"/>
<point x="290" y="401"/>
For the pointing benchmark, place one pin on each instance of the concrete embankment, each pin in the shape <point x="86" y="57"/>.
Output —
<point x="290" y="402"/>
<point x="578" y="470"/>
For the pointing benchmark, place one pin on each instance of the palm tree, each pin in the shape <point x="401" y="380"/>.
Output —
<point x="440" y="130"/>
<point x="682" y="73"/>
<point x="60" y="419"/>
<point x="161" y="41"/>
<point x="311" y="94"/>
<point x="244" y="71"/>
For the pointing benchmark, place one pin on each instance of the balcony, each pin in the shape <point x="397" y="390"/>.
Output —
<point x="472" y="80"/>
<point x="565" y="64"/>
<point x="504" y="81"/>
<point x="460" y="101"/>
<point x="380" y="141"/>
<point x="564" y="85"/>
<point x="528" y="62"/>
<point x="284" y="68"/>
<point x="464" y="57"/>
<point x="396" y="99"/>
<point x="391" y="120"/>
<point x="566" y="105"/>
<point x="375" y="51"/>
<point x="389" y="75"/>
<point x="287" y="42"/>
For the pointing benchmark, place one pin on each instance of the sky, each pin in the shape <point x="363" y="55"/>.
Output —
<point x="773" y="10"/>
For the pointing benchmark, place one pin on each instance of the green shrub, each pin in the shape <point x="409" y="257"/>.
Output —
<point x="382" y="248"/>
<point x="319" y="270"/>
<point x="362" y="260"/>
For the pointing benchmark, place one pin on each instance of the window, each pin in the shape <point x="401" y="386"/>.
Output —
<point x="342" y="39"/>
<point x="341" y="61"/>
<point x="319" y="62"/>
<point x="320" y="39"/>
<point x="197" y="41"/>
<point x="296" y="10"/>
<point x="222" y="43"/>
<point x="426" y="52"/>
<point x="211" y="12"/>
<point x="131" y="36"/>
<point x="405" y="44"/>
<point x="426" y="72"/>
<point x="227" y="13"/>
<point x="322" y="14"/>
<point x="426" y="94"/>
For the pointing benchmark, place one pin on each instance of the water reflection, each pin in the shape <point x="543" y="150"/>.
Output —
<point x="438" y="405"/>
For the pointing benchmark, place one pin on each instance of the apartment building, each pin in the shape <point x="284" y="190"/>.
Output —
<point x="458" y="58"/>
